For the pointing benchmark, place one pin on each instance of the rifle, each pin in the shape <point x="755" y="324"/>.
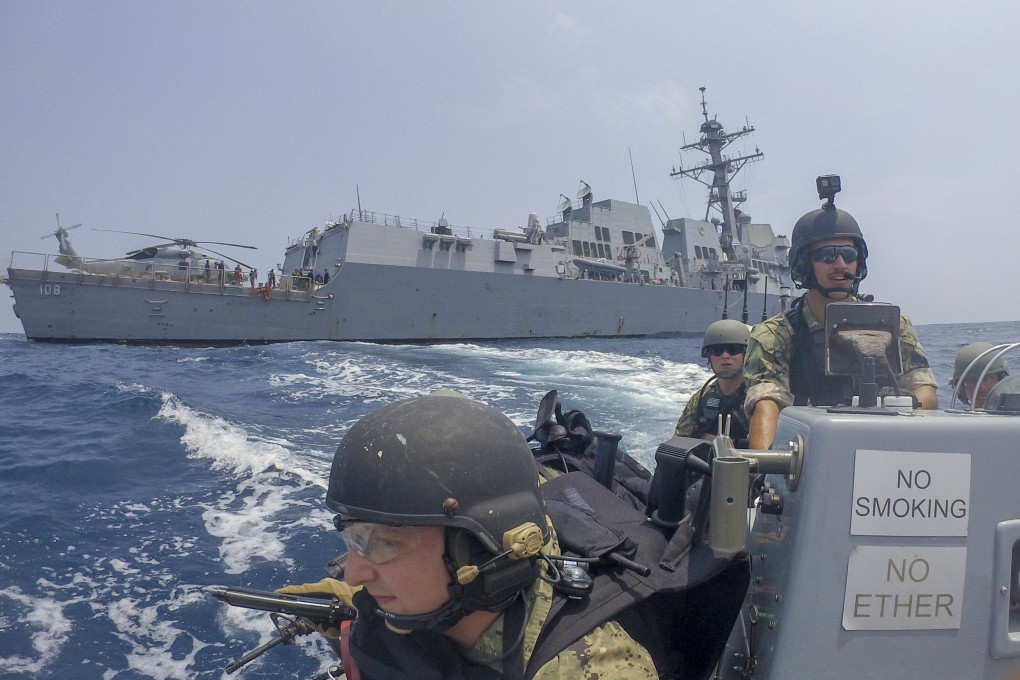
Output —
<point x="304" y="614"/>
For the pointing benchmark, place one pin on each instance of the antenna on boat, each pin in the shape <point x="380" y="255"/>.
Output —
<point x="357" y="190"/>
<point x="726" y="298"/>
<point x="743" y="313"/>
<point x="633" y="176"/>
<point x="765" y="302"/>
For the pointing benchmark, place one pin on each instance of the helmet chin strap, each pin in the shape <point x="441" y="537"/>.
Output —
<point x="464" y="599"/>
<point x="731" y="373"/>
<point x="442" y="619"/>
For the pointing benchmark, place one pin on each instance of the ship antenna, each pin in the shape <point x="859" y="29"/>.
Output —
<point x="357" y="190"/>
<point x="656" y="210"/>
<point x="704" y="106"/>
<point x="633" y="176"/>
<point x="765" y="302"/>
<point x="664" y="211"/>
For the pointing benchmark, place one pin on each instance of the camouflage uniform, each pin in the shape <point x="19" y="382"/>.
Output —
<point x="769" y="357"/>
<point x="689" y="424"/>
<point x="605" y="652"/>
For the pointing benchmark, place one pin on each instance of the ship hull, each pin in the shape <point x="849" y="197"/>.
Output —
<point x="362" y="302"/>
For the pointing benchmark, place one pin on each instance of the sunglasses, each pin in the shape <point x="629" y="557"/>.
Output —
<point x="731" y="349"/>
<point x="377" y="543"/>
<point x="828" y="254"/>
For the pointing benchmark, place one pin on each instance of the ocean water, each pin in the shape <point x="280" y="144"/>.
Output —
<point x="132" y="478"/>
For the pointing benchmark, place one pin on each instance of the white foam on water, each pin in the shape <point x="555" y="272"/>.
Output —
<point x="51" y="628"/>
<point x="227" y="446"/>
<point x="639" y="397"/>
<point x="377" y="374"/>
<point x="151" y="634"/>
<point x="243" y="521"/>
<point x="247" y="519"/>
<point x="133" y="388"/>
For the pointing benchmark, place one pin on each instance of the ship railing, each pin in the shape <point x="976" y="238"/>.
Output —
<point x="415" y="224"/>
<point x="28" y="260"/>
<point x="188" y="279"/>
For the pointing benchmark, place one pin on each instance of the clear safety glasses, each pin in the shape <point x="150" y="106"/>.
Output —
<point x="377" y="543"/>
<point x="828" y="254"/>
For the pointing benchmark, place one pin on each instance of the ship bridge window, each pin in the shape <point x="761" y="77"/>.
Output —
<point x="587" y="249"/>
<point x="602" y="234"/>
<point x="602" y="249"/>
<point x="577" y="247"/>
<point x="628" y="238"/>
<point x="698" y="253"/>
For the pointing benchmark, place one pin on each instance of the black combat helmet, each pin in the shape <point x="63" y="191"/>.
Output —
<point x="822" y="224"/>
<point x="452" y="462"/>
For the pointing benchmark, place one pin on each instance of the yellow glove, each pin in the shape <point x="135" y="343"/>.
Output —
<point x="327" y="587"/>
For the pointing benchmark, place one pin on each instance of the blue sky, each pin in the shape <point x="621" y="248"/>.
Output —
<point x="251" y="122"/>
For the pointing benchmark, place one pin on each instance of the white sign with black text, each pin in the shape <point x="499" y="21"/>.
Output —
<point x="908" y="493"/>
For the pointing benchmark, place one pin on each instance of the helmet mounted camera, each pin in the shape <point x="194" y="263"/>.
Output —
<point x="824" y="224"/>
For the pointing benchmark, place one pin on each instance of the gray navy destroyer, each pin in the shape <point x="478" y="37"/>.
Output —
<point x="595" y="269"/>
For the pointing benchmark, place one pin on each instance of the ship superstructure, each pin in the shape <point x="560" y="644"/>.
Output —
<point x="597" y="268"/>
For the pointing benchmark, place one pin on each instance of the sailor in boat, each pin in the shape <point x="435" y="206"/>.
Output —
<point x="440" y="507"/>
<point x="979" y="354"/>
<point x="724" y="345"/>
<point x="785" y="356"/>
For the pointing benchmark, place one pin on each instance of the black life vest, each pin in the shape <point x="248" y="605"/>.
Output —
<point x="808" y="381"/>
<point x="713" y="403"/>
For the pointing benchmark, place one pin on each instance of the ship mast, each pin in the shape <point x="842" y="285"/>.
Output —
<point x="713" y="140"/>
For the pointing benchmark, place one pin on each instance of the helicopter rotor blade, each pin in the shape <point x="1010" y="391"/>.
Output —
<point x="54" y="233"/>
<point x="182" y="242"/>
<point x="138" y="233"/>
<point x="221" y="243"/>
<point x="227" y="257"/>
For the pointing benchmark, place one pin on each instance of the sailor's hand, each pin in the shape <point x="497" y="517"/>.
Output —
<point x="327" y="587"/>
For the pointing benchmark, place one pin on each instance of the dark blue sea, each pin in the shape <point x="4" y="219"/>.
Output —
<point x="131" y="478"/>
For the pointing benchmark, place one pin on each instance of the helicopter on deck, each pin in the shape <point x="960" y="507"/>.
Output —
<point x="175" y="260"/>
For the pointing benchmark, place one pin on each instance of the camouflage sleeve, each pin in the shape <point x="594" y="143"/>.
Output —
<point x="767" y="363"/>
<point x="915" y="365"/>
<point x="685" y="426"/>
<point x="606" y="653"/>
